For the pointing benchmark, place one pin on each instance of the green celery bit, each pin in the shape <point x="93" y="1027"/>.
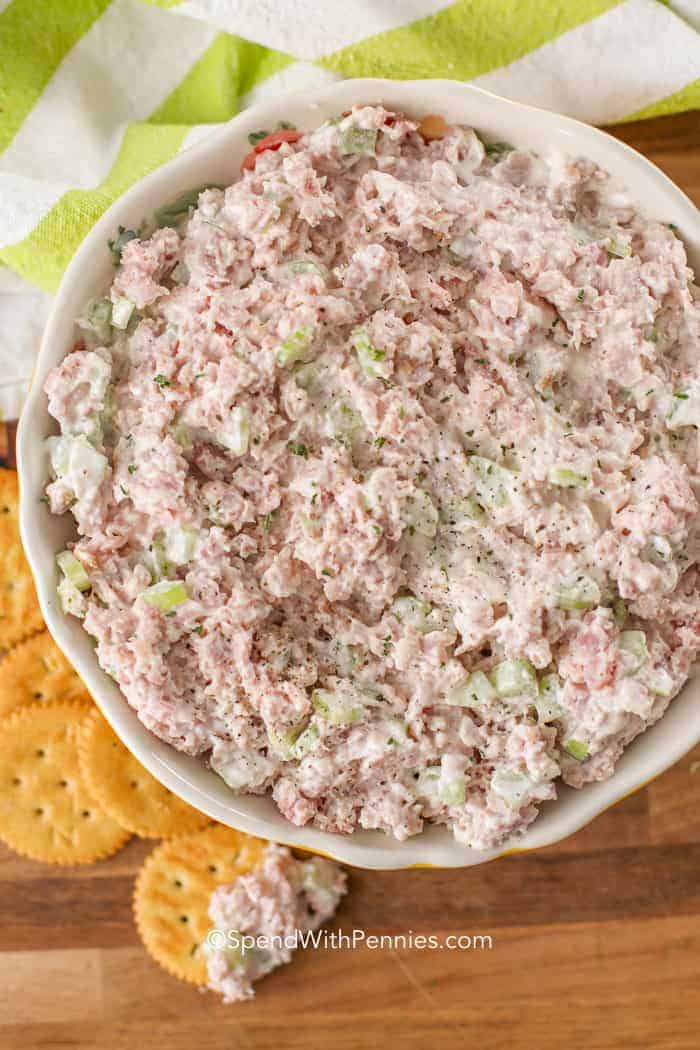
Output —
<point x="166" y="595"/>
<point x="567" y="478"/>
<point x="358" y="140"/>
<point x="367" y="353"/>
<point x="295" y="346"/>
<point x="73" y="570"/>
<point x="514" y="678"/>
<point x="577" y="749"/>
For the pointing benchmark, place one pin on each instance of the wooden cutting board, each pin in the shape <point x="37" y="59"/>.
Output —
<point x="595" y="941"/>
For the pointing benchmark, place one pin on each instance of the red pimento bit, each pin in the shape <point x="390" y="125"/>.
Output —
<point x="272" y="141"/>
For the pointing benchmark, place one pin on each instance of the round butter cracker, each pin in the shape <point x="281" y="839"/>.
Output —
<point x="125" y="790"/>
<point x="20" y="615"/>
<point x="173" y="888"/>
<point x="37" y="671"/>
<point x="46" y="812"/>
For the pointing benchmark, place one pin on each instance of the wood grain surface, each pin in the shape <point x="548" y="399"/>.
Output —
<point x="595" y="941"/>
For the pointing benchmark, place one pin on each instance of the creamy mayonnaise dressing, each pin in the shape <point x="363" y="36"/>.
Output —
<point x="384" y="465"/>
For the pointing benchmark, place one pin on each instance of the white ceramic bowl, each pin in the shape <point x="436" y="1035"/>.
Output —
<point x="216" y="160"/>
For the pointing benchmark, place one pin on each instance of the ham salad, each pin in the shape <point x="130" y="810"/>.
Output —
<point x="264" y="916"/>
<point x="384" y="466"/>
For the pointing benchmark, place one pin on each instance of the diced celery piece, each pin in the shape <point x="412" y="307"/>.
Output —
<point x="99" y="374"/>
<point x="180" y="544"/>
<point x="454" y="793"/>
<point x="514" y="678"/>
<point x="512" y="787"/>
<point x="684" y="409"/>
<point x="577" y="749"/>
<point x="345" y="422"/>
<point x="121" y="313"/>
<point x="660" y="550"/>
<point x="547" y="703"/>
<point x="474" y="689"/>
<point x="464" y="247"/>
<point x="422" y="516"/>
<point x="302" y="266"/>
<point x="98" y="317"/>
<point x="336" y="709"/>
<point x="73" y="570"/>
<point x="367" y="353"/>
<point x="235" y="435"/>
<point x="156" y="559"/>
<point x="72" y="600"/>
<point x="567" y="478"/>
<point x="165" y="595"/>
<point x="472" y="509"/>
<point x="307" y="378"/>
<point x="181" y="433"/>
<point x="306" y="741"/>
<point x="109" y="402"/>
<point x="347" y="658"/>
<point x="415" y="613"/>
<point x="283" y="742"/>
<point x="619" y="611"/>
<point x="582" y="237"/>
<point x="581" y="593"/>
<point x="358" y="140"/>
<point x="295" y="346"/>
<point x="618" y="248"/>
<point x="491" y="481"/>
<point x="464" y="514"/>
<point x="634" y="643"/>
<point x="428" y="780"/>
<point x="398" y="732"/>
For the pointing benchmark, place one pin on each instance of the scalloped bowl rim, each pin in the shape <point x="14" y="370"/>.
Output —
<point x="215" y="159"/>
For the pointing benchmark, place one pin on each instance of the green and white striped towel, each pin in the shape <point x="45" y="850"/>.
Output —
<point x="96" y="93"/>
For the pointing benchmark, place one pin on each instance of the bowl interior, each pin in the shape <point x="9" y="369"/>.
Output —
<point x="217" y="160"/>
